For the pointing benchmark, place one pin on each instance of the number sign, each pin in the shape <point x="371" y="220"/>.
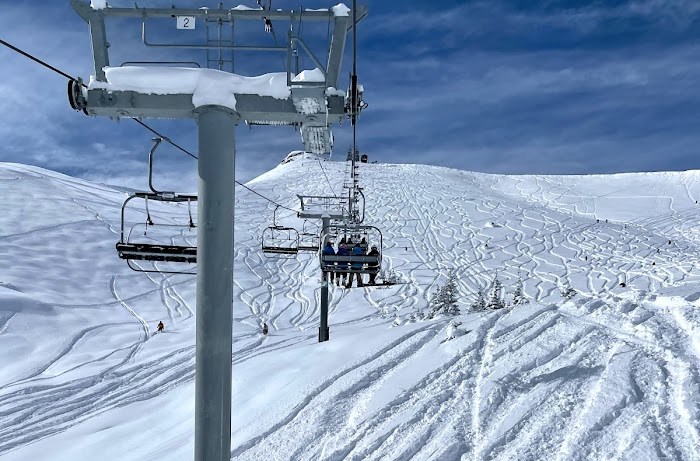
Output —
<point x="185" y="22"/>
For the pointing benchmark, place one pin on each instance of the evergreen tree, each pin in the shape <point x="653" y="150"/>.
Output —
<point x="479" y="303"/>
<point x="566" y="291"/>
<point x="450" y="294"/>
<point x="495" y="301"/>
<point x="435" y="302"/>
<point x="518" y="295"/>
<point x="444" y="299"/>
<point x="393" y="277"/>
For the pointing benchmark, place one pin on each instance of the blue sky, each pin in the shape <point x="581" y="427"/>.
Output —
<point x="556" y="87"/>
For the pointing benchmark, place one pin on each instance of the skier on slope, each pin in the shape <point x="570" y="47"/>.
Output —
<point x="160" y="326"/>
<point x="265" y="329"/>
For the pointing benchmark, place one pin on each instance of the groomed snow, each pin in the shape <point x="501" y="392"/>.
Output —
<point x="612" y="374"/>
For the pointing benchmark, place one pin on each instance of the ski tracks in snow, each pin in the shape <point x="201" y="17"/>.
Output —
<point x="330" y="404"/>
<point x="130" y="310"/>
<point x="598" y="378"/>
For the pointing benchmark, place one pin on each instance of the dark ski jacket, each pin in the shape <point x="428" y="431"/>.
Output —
<point x="357" y="251"/>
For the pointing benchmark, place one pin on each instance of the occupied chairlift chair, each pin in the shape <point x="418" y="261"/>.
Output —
<point x="279" y="241"/>
<point x="358" y="264"/>
<point x="131" y="245"/>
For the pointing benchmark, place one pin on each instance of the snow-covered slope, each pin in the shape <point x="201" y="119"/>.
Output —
<point x="611" y="374"/>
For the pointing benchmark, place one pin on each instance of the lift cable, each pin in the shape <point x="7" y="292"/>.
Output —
<point x="354" y="110"/>
<point x="326" y="176"/>
<point x="165" y="138"/>
<point x="27" y="55"/>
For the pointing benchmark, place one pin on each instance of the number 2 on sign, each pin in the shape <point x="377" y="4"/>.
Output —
<point x="185" y="22"/>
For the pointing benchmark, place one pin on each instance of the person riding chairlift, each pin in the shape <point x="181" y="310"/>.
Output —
<point x="341" y="276"/>
<point x="356" y="266"/>
<point x="363" y="244"/>
<point x="330" y="251"/>
<point x="374" y="270"/>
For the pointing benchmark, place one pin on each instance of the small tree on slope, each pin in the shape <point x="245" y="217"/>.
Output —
<point x="518" y="295"/>
<point x="444" y="299"/>
<point x="479" y="303"/>
<point x="566" y="291"/>
<point x="451" y="293"/>
<point x="495" y="301"/>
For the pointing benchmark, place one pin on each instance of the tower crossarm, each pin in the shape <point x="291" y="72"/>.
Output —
<point x="338" y="15"/>
<point x="84" y="10"/>
<point x="255" y="109"/>
<point x="308" y="100"/>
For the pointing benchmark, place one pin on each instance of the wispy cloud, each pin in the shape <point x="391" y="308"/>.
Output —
<point x="529" y="106"/>
<point x="538" y="86"/>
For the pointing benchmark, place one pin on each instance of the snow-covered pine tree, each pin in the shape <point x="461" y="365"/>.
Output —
<point x="435" y="302"/>
<point x="444" y="299"/>
<point x="566" y="291"/>
<point x="518" y="295"/>
<point x="392" y="277"/>
<point x="451" y="294"/>
<point x="479" y="303"/>
<point x="495" y="301"/>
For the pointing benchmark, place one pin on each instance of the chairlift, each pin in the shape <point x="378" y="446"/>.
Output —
<point x="352" y="234"/>
<point x="136" y="244"/>
<point x="279" y="241"/>
<point x="308" y="241"/>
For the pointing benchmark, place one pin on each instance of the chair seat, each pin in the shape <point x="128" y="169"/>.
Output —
<point x="357" y="264"/>
<point x="280" y="250"/>
<point x="157" y="252"/>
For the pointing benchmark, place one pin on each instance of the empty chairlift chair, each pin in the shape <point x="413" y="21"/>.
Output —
<point x="155" y="240"/>
<point x="279" y="241"/>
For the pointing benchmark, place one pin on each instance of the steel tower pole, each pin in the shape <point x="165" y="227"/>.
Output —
<point x="214" y="318"/>
<point x="323" y="329"/>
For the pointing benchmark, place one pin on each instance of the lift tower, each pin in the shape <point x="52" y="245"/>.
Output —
<point x="218" y="101"/>
<point x="326" y="209"/>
